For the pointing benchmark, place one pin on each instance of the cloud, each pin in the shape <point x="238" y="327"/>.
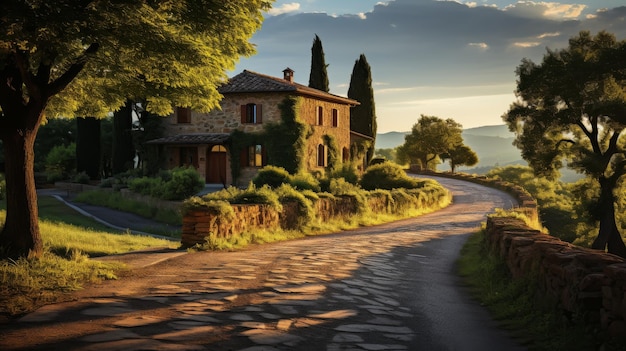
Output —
<point x="550" y="10"/>
<point x="483" y="46"/>
<point x="285" y="8"/>
<point x="548" y="35"/>
<point x="527" y="44"/>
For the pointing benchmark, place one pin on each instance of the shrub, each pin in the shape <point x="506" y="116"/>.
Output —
<point x="254" y="195"/>
<point x="388" y="176"/>
<point x="61" y="160"/>
<point x="305" y="181"/>
<point x="346" y="171"/>
<point x="185" y="182"/>
<point x="305" y="207"/>
<point x="146" y="185"/>
<point x="271" y="176"/>
<point x="81" y="178"/>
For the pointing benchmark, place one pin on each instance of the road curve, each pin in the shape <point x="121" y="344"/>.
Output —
<point x="389" y="287"/>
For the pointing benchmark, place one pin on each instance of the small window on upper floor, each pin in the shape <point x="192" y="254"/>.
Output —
<point x="183" y="115"/>
<point x="335" y="118"/>
<point x="251" y="114"/>
<point x="320" y="116"/>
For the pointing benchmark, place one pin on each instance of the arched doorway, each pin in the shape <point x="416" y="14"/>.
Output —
<point x="216" y="165"/>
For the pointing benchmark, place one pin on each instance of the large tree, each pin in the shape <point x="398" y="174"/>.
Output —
<point x="363" y="116"/>
<point x="318" y="77"/>
<point x="85" y="58"/>
<point x="430" y="138"/>
<point x="123" y="152"/>
<point x="572" y="108"/>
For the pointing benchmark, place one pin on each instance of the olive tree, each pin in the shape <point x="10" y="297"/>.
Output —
<point x="571" y="110"/>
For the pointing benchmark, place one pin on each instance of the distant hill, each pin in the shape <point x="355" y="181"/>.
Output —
<point x="493" y="144"/>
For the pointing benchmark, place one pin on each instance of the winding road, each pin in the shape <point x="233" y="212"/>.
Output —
<point x="388" y="287"/>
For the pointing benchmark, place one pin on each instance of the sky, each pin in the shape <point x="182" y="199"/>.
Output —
<point x="450" y="59"/>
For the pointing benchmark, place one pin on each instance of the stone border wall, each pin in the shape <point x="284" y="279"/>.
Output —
<point x="588" y="285"/>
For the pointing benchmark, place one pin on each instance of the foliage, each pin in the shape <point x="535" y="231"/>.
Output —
<point x="61" y="160"/>
<point x="176" y="184"/>
<point x="64" y="265"/>
<point x="304" y="181"/>
<point x="387" y="154"/>
<point x="117" y="201"/>
<point x="388" y="176"/>
<point x="363" y="116"/>
<point x="347" y="171"/>
<point x="318" y="78"/>
<point x="78" y="59"/>
<point x="271" y="176"/>
<point x="460" y="155"/>
<point x="571" y="109"/>
<point x="254" y="195"/>
<point x="216" y="207"/>
<point x="53" y="132"/>
<point x="334" y="158"/>
<point x="306" y="212"/>
<point x="430" y="138"/>
<point x="556" y="204"/>
<point x="286" y="141"/>
<point x="81" y="178"/>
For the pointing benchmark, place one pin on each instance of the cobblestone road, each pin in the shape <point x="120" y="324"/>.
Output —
<point x="390" y="287"/>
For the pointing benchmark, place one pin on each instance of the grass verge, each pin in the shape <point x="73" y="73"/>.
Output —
<point x="116" y="201"/>
<point x="531" y="320"/>
<point x="65" y="265"/>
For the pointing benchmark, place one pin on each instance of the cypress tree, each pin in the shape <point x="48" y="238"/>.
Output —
<point x="363" y="116"/>
<point x="123" y="151"/>
<point x="318" y="78"/>
<point x="88" y="146"/>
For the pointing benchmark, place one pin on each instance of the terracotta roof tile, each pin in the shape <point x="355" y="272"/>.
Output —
<point x="252" y="82"/>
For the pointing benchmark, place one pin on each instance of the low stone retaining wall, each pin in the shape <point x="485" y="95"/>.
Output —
<point x="587" y="285"/>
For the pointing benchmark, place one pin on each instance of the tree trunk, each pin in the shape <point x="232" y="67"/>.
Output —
<point x="123" y="150"/>
<point x="609" y="237"/>
<point x="88" y="154"/>
<point x="20" y="236"/>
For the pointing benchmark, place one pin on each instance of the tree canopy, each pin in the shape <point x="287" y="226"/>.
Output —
<point x="363" y="116"/>
<point x="571" y="110"/>
<point x="430" y="138"/>
<point x="86" y="58"/>
<point x="318" y="77"/>
<point x="460" y="155"/>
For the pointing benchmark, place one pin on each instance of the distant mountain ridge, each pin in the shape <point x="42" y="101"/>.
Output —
<point x="493" y="144"/>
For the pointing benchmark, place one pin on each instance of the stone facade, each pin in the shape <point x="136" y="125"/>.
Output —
<point x="327" y="114"/>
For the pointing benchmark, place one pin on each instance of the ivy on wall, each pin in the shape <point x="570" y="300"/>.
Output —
<point x="285" y="142"/>
<point x="333" y="152"/>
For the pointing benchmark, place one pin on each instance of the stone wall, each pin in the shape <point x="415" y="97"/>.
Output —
<point x="587" y="285"/>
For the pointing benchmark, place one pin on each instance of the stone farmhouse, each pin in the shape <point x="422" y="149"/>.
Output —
<point x="250" y="103"/>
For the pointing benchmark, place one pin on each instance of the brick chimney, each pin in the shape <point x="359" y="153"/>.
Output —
<point x="288" y="74"/>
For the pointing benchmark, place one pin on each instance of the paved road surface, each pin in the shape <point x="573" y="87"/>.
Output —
<point x="390" y="287"/>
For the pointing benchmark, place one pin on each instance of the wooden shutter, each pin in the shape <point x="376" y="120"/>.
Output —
<point x="259" y="114"/>
<point x="244" y="109"/>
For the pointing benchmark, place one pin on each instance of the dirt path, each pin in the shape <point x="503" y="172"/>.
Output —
<point x="389" y="287"/>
